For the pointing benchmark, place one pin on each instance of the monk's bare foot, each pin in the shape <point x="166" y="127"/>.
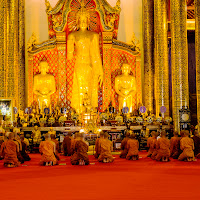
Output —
<point x="80" y="162"/>
<point x="51" y="163"/>
<point x="105" y="160"/>
<point x="46" y="164"/>
<point x="189" y="159"/>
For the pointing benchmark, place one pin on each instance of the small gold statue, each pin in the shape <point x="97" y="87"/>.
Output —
<point x="88" y="71"/>
<point x="51" y="131"/>
<point x="44" y="86"/>
<point x="36" y="135"/>
<point x="125" y="87"/>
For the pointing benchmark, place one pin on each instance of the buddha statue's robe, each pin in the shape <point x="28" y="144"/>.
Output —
<point x="187" y="146"/>
<point x="47" y="149"/>
<point x="105" y="150"/>
<point x="196" y="140"/>
<point x="57" y="148"/>
<point x="163" y="148"/>
<point x="80" y="153"/>
<point x="132" y="146"/>
<point x="67" y="146"/>
<point x="151" y="144"/>
<point x="175" y="147"/>
<point x="9" y="150"/>
<point x="124" y="147"/>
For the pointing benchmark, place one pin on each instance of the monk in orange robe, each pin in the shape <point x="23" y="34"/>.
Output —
<point x="18" y="142"/>
<point x="47" y="149"/>
<point x="73" y="142"/>
<point x="151" y="143"/>
<point x="53" y="139"/>
<point x="23" y="152"/>
<point x="97" y="145"/>
<point x="187" y="146"/>
<point x="80" y="156"/>
<point x="163" y="147"/>
<point x="175" y="146"/>
<point x="196" y="139"/>
<point x="67" y="144"/>
<point x="105" y="149"/>
<point x="9" y="150"/>
<point x="155" y="151"/>
<point x="132" y="146"/>
<point x="124" y="145"/>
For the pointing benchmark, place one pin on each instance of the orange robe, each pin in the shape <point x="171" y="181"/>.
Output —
<point x="151" y="144"/>
<point x="47" y="150"/>
<point x="163" y="147"/>
<point x="57" y="148"/>
<point x="187" y="145"/>
<point x="72" y="148"/>
<point x="175" y="147"/>
<point x="196" y="140"/>
<point x="80" y="153"/>
<point x="9" y="152"/>
<point x="124" y="148"/>
<point x="67" y="146"/>
<point x="105" y="150"/>
<point x="132" y="146"/>
<point x="155" y="151"/>
<point x="97" y="148"/>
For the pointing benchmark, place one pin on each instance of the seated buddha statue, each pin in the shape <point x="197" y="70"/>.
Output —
<point x="44" y="86"/>
<point x="125" y="87"/>
<point x="36" y="135"/>
<point x="83" y="44"/>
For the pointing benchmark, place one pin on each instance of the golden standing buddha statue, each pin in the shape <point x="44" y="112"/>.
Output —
<point x="125" y="87"/>
<point x="88" y="70"/>
<point x="44" y="86"/>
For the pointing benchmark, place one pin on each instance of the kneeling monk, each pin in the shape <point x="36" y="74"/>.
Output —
<point x="9" y="150"/>
<point x="187" y="145"/>
<point x="151" y="143"/>
<point x="132" y="146"/>
<point x="80" y="156"/>
<point x="163" y="147"/>
<point x="47" y="149"/>
<point x="124" y="145"/>
<point x="105" y="149"/>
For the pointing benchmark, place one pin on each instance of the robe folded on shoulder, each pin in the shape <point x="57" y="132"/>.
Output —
<point x="9" y="151"/>
<point x="47" y="150"/>
<point x="163" y="148"/>
<point x="124" y="148"/>
<point x="80" y="153"/>
<point x="132" y="146"/>
<point x="67" y="146"/>
<point x="187" y="145"/>
<point x="151" y="144"/>
<point x="105" y="150"/>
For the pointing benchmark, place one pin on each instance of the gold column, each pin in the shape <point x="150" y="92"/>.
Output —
<point x="148" y="38"/>
<point x="2" y="53"/>
<point x="197" y="50"/>
<point x="161" y="56"/>
<point x="179" y="59"/>
<point x="12" y="39"/>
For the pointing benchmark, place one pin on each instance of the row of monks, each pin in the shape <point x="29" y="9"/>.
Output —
<point x="160" y="148"/>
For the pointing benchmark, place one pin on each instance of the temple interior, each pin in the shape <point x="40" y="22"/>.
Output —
<point x="99" y="99"/>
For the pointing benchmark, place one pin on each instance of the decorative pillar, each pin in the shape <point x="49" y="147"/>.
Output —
<point x="197" y="50"/>
<point x="107" y="51"/>
<point x="12" y="59"/>
<point x="161" y="56"/>
<point x="179" y="59"/>
<point x="148" y="38"/>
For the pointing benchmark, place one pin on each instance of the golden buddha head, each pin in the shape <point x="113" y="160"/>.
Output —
<point x="126" y="68"/>
<point x="82" y="18"/>
<point x="43" y="67"/>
